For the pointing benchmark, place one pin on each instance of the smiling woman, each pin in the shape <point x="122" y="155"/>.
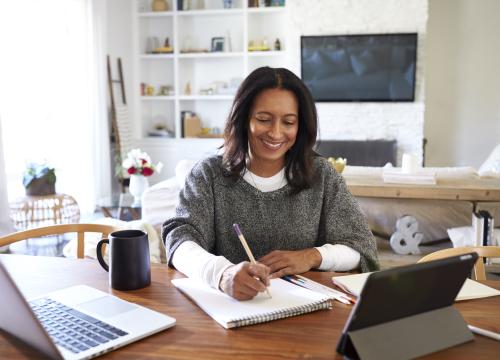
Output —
<point x="272" y="130"/>
<point x="50" y="104"/>
<point x="294" y="209"/>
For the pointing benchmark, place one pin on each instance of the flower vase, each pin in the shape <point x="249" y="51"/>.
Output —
<point x="138" y="184"/>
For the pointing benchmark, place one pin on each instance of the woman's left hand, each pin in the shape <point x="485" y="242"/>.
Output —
<point x="284" y="263"/>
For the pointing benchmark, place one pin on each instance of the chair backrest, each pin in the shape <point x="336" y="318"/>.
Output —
<point x="482" y="251"/>
<point x="80" y="229"/>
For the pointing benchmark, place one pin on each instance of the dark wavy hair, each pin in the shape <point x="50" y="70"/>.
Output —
<point x="299" y="158"/>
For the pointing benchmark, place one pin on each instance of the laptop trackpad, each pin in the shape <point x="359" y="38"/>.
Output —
<point x="107" y="306"/>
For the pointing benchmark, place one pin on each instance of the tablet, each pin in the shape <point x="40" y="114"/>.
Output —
<point x="405" y="292"/>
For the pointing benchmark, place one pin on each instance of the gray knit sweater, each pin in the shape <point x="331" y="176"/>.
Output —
<point x="211" y="203"/>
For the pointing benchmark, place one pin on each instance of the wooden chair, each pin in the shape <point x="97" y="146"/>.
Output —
<point x="482" y="251"/>
<point x="60" y="229"/>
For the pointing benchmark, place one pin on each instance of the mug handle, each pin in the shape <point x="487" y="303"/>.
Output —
<point x="99" y="253"/>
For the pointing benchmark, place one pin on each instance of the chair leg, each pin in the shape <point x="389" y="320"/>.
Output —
<point x="80" y="245"/>
<point x="479" y="270"/>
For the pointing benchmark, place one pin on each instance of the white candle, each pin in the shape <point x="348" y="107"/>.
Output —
<point x="409" y="164"/>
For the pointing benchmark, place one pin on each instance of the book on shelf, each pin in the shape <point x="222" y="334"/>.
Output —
<point x="477" y="229"/>
<point x="488" y="225"/>
<point x="483" y="229"/>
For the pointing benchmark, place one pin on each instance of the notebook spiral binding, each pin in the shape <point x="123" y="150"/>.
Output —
<point x="281" y="314"/>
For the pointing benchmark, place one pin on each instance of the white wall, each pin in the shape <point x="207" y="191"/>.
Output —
<point x="401" y="121"/>
<point x="462" y="82"/>
<point x="119" y="43"/>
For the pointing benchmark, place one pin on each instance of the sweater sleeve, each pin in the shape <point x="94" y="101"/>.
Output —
<point x="194" y="219"/>
<point x="195" y="262"/>
<point x="338" y="258"/>
<point x="342" y="221"/>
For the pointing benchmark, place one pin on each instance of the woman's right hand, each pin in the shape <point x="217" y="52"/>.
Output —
<point x="245" y="280"/>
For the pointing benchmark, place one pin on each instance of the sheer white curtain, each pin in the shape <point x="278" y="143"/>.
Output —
<point x="5" y="223"/>
<point x="52" y="94"/>
<point x="97" y="58"/>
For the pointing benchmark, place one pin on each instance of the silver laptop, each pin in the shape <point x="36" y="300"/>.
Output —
<point x="78" y="322"/>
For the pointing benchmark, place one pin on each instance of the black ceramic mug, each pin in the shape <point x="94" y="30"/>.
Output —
<point x="129" y="266"/>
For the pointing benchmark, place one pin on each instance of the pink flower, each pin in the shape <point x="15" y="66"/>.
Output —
<point x="147" y="171"/>
<point x="131" y="170"/>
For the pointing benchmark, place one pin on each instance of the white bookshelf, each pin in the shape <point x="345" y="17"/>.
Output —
<point x="211" y="55"/>
<point x="156" y="56"/>
<point x="210" y="12"/>
<point x="195" y="28"/>
<point x="152" y="14"/>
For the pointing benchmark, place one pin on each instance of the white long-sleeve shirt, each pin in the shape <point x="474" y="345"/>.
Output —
<point x="195" y="262"/>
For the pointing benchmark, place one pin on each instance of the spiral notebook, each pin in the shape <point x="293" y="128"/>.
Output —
<point x="287" y="300"/>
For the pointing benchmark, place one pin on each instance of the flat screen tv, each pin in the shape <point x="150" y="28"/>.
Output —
<point x="360" y="67"/>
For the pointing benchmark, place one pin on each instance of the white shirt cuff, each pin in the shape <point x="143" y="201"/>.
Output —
<point x="338" y="257"/>
<point x="195" y="262"/>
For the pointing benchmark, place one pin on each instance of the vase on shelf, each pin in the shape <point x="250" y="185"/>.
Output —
<point x="138" y="184"/>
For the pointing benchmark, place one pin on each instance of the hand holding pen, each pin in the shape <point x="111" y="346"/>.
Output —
<point x="264" y="278"/>
<point x="242" y="281"/>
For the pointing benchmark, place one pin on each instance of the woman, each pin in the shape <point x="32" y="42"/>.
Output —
<point x="293" y="208"/>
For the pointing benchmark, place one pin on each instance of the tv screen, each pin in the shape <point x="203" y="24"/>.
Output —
<point x="360" y="67"/>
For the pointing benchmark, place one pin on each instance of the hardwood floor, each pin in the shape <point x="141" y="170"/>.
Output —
<point x="389" y="259"/>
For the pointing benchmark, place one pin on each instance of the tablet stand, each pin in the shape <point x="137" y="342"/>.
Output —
<point x="408" y="337"/>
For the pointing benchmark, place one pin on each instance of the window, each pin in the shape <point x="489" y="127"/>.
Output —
<point x="46" y="93"/>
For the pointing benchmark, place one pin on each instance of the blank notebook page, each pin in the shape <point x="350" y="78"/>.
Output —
<point x="287" y="300"/>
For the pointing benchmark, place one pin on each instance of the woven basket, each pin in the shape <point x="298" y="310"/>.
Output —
<point x="35" y="211"/>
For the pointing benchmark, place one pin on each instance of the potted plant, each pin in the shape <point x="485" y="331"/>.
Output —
<point x="39" y="180"/>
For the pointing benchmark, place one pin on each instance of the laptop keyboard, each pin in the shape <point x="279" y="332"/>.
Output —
<point x="71" y="329"/>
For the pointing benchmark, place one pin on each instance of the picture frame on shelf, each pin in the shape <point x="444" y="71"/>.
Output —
<point x="217" y="44"/>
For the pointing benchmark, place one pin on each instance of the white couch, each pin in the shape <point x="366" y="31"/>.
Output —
<point x="159" y="201"/>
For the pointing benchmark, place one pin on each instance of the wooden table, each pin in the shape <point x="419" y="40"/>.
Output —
<point x="474" y="190"/>
<point x="197" y="336"/>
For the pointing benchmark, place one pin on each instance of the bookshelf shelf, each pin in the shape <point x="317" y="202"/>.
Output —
<point x="211" y="12"/>
<point x="155" y="14"/>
